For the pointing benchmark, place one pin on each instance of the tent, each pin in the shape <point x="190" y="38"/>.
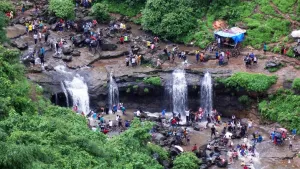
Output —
<point x="296" y="34"/>
<point x="235" y="33"/>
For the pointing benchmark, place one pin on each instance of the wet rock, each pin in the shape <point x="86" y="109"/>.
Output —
<point x="109" y="47"/>
<point x="28" y="18"/>
<point x="15" y="31"/>
<point x="67" y="49"/>
<point x="113" y="54"/>
<point x="197" y="127"/>
<point x="52" y="20"/>
<point x="272" y="63"/>
<point x="20" y="44"/>
<point x="158" y="138"/>
<point x="76" y="53"/>
<point x="57" y="56"/>
<point x="87" y="19"/>
<point x="21" y="21"/>
<point x="67" y="58"/>
<point x="53" y="27"/>
<point x="49" y="67"/>
<point x="35" y="69"/>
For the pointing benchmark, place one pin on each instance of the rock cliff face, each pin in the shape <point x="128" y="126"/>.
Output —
<point x="134" y="93"/>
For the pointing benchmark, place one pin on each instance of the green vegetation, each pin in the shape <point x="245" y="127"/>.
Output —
<point x="128" y="8"/>
<point x="146" y="90"/>
<point x="169" y="20"/>
<point x="100" y="11"/>
<point x="244" y="99"/>
<point x="162" y="153"/>
<point x="35" y="134"/>
<point x="6" y="6"/>
<point x="192" y="20"/>
<point x="156" y="81"/>
<point x="186" y="160"/>
<point x="283" y="107"/>
<point x="251" y="82"/>
<point x="135" y="87"/>
<point x="62" y="9"/>
<point x="296" y="84"/>
<point x="128" y="90"/>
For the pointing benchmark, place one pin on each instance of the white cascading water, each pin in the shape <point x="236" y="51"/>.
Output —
<point x="79" y="92"/>
<point x="206" y="101"/>
<point x="179" y="93"/>
<point x="113" y="94"/>
<point x="65" y="92"/>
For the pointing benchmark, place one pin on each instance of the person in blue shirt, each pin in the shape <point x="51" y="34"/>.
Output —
<point x="163" y="113"/>
<point x="217" y="55"/>
<point x="115" y="109"/>
<point x="94" y="115"/>
<point x="259" y="139"/>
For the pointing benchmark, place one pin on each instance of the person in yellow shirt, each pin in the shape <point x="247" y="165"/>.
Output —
<point x="148" y="44"/>
<point x="30" y="28"/>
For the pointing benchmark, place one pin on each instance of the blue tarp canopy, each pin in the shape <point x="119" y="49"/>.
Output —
<point x="235" y="33"/>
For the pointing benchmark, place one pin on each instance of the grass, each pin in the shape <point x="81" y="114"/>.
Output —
<point x="251" y="82"/>
<point x="123" y="8"/>
<point x="156" y="81"/>
<point x="296" y="84"/>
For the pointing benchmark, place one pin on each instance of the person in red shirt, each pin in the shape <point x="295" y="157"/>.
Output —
<point x="173" y="122"/>
<point x="194" y="148"/>
<point x="122" y="39"/>
<point x="105" y="131"/>
<point x="227" y="53"/>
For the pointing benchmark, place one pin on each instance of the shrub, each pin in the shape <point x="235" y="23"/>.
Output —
<point x="100" y="11"/>
<point x="153" y="148"/>
<point x="153" y="81"/>
<point x="283" y="107"/>
<point x="128" y="90"/>
<point x="296" y="84"/>
<point x="135" y="87"/>
<point x="186" y="160"/>
<point x="146" y="90"/>
<point x="250" y="81"/>
<point x="290" y="53"/>
<point x="244" y="99"/>
<point x="62" y="8"/>
<point x="6" y="6"/>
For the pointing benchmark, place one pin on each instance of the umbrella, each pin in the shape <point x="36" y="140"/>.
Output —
<point x="179" y="148"/>
<point x="282" y="129"/>
<point x="296" y="34"/>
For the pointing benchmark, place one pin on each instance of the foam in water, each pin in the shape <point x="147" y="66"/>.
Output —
<point x="179" y="93"/>
<point x="206" y="94"/>
<point x="113" y="94"/>
<point x="79" y="92"/>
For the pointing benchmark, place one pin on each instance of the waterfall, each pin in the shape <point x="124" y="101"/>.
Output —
<point x="206" y="94"/>
<point x="113" y="94"/>
<point x="79" y="92"/>
<point x="179" y="93"/>
<point x="65" y="92"/>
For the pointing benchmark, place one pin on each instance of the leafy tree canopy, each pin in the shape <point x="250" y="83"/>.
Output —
<point x="62" y="8"/>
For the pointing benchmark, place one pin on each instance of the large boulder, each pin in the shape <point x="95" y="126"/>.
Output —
<point x="57" y="56"/>
<point x="109" y="47"/>
<point x="15" y="31"/>
<point x="67" y="49"/>
<point x="67" y="58"/>
<point x="76" y="53"/>
<point x="20" y="44"/>
<point x="113" y="54"/>
<point x="272" y="63"/>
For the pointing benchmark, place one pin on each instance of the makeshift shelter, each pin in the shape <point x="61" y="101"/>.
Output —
<point x="235" y="33"/>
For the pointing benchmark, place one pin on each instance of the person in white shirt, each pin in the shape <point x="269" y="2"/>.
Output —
<point x="219" y="42"/>
<point x="110" y="124"/>
<point x="138" y="113"/>
<point x="187" y="115"/>
<point x="35" y="37"/>
<point x="117" y="118"/>
<point x="133" y="61"/>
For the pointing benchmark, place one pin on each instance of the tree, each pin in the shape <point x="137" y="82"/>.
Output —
<point x="169" y="20"/>
<point x="62" y="8"/>
<point x="186" y="160"/>
<point x="100" y="11"/>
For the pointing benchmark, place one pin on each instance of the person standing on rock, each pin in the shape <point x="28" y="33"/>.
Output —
<point x="35" y="37"/>
<point x="42" y="55"/>
<point x="213" y="131"/>
<point x="40" y="36"/>
<point x="187" y="115"/>
<point x="197" y="56"/>
<point x="23" y="8"/>
<point x="265" y="48"/>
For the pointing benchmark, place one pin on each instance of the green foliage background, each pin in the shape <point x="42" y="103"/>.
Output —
<point x="282" y="107"/>
<point x="62" y="8"/>
<point x="296" y="84"/>
<point x="156" y="81"/>
<point x="251" y="82"/>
